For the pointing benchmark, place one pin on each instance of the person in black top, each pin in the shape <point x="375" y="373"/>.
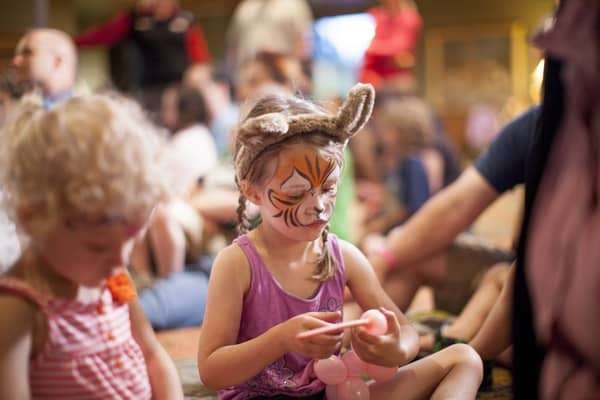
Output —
<point x="433" y="228"/>
<point x="151" y="46"/>
<point x="503" y="165"/>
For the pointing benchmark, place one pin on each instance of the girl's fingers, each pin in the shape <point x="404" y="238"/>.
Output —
<point x="366" y="336"/>
<point x="363" y="349"/>
<point x="327" y="316"/>
<point x="320" y="352"/>
<point x="326" y="339"/>
<point x="392" y="322"/>
<point x="364" y="354"/>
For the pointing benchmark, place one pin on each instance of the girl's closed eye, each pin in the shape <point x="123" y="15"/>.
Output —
<point x="330" y="189"/>
<point x="296" y="195"/>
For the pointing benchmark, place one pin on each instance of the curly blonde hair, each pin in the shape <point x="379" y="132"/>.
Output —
<point x="93" y="154"/>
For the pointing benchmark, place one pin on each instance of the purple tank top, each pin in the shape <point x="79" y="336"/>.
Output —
<point x="267" y="304"/>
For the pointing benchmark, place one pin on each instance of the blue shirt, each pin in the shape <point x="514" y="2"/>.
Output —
<point x="49" y="102"/>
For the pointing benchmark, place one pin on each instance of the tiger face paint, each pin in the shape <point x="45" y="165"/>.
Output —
<point x="301" y="195"/>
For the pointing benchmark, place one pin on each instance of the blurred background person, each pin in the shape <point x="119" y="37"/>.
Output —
<point x="168" y="260"/>
<point x="415" y="161"/>
<point x="151" y="46"/>
<point x="46" y="60"/>
<point x="391" y="56"/>
<point x="280" y="26"/>
<point x="10" y="93"/>
<point x="10" y="246"/>
<point x="273" y="69"/>
<point x="217" y="89"/>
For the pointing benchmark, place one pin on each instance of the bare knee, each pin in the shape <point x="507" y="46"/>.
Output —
<point x="465" y="356"/>
<point x="496" y="275"/>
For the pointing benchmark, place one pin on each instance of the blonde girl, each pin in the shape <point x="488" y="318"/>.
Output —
<point x="80" y="181"/>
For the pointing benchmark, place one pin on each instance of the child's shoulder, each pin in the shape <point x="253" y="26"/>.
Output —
<point x="16" y="294"/>
<point x="18" y="339"/>
<point x="232" y="252"/>
<point x="232" y="261"/>
<point x="13" y="305"/>
<point x="351" y="254"/>
<point x="348" y="249"/>
<point x="17" y="315"/>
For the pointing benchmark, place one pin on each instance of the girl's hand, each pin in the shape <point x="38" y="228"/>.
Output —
<point x="385" y="350"/>
<point x="315" y="347"/>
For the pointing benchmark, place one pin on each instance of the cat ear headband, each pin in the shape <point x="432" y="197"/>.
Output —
<point x="256" y="134"/>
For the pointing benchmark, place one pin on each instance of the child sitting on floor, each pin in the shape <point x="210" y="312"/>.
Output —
<point x="81" y="181"/>
<point x="288" y="275"/>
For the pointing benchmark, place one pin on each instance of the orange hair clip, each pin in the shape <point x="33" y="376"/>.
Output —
<point x="121" y="288"/>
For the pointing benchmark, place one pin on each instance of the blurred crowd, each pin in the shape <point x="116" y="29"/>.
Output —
<point x="158" y="56"/>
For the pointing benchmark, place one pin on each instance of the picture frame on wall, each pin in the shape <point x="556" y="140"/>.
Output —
<point x="477" y="78"/>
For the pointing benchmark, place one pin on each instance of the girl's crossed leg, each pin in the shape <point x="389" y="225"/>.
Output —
<point x="452" y="373"/>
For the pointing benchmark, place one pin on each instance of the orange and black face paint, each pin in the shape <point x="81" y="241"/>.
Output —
<point x="302" y="173"/>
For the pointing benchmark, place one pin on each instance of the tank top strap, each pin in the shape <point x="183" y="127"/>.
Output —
<point x="257" y="265"/>
<point x="334" y="246"/>
<point x="20" y="288"/>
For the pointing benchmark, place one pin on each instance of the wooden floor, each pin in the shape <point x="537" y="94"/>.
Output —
<point x="181" y="344"/>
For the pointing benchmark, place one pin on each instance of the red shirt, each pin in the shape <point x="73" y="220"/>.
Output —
<point x="391" y="52"/>
<point x="119" y="27"/>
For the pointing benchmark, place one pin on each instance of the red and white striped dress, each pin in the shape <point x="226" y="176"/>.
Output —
<point x="89" y="352"/>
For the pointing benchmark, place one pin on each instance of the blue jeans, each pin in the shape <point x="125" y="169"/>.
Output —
<point x="177" y="301"/>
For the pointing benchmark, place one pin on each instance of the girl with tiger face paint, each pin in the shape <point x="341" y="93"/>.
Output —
<point x="288" y="274"/>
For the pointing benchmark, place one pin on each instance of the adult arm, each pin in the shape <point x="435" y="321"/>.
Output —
<point x="167" y="240"/>
<point x="195" y="45"/>
<point x="217" y="204"/>
<point x="437" y="224"/>
<point x="452" y="210"/>
<point x="107" y="34"/>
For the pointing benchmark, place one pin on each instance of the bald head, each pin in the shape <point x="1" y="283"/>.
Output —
<point x="58" y="42"/>
<point x="47" y="58"/>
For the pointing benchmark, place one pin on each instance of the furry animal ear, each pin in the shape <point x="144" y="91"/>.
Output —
<point x="357" y="109"/>
<point x="253" y="130"/>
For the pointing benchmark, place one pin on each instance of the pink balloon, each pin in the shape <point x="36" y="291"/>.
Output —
<point x="331" y="392"/>
<point x="379" y="373"/>
<point x="378" y="322"/>
<point x="331" y="371"/>
<point x="355" y="366"/>
<point x="353" y="389"/>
